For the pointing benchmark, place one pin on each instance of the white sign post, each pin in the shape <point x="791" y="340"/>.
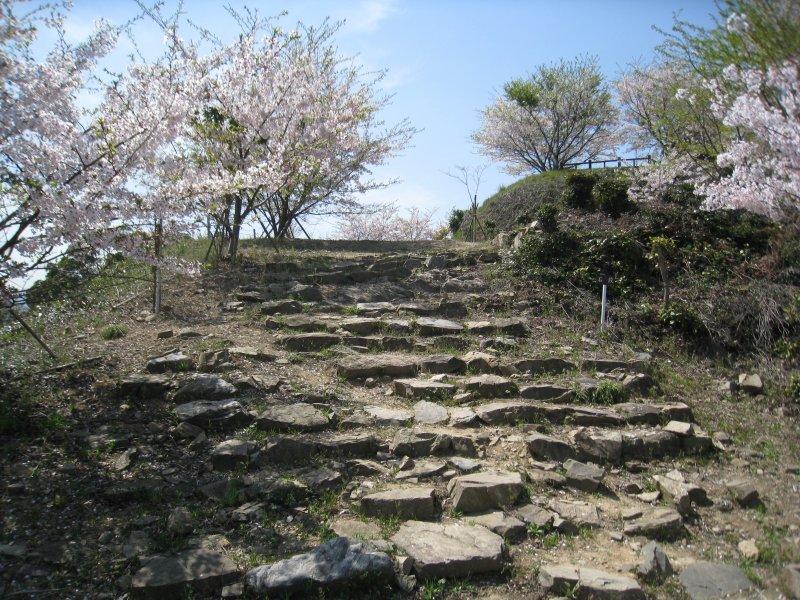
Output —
<point x="603" y="307"/>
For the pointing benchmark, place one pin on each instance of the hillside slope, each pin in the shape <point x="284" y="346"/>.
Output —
<point x="421" y="404"/>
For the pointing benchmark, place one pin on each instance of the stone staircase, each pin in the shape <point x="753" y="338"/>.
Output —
<point x="449" y="431"/>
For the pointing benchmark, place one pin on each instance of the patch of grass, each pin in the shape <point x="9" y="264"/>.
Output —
<point x="551" y="540"/>
<point x="389" y="525"/>
<point x="113" y="332"/>
<point x="607" y="393"/>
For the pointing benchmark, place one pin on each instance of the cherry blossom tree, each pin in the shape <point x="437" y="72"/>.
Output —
<point x="763" y="168"/>
<point x="52" y="152"/>
<point x="289" y="130"/>
<point x="82" y="177"/>
<point x="562" y="113"/>
<point x="387" y="223"/>
<point x="697" y="107"/>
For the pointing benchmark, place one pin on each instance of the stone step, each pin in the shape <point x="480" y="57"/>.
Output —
<point x="302" y="448"/>
<point x="441" y="442"/>
<point x="423" y="388"/>
<point x="430" y="327"/>
<point x="299" y="416"/>
<point x="391" y="365"/>
<point x="309" y="342"/>
<point x="479" y="492"/>
<point x="614" y="447"/>
<point x="513" y="327"/>
<point x="452" y="549"/>
<point x="405" y="503"/>
<point x="583" y="582"/>
<point x="511" y="412"/>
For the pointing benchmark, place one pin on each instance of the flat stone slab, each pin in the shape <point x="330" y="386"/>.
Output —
<point x="144" y="387"/>
<point x="304" y="323"/>
<point x="511" y="411"/>
<point x="309" y="342"/>
<point x="385" y="416"/>
<point x="230" y="454"/>
<point x="547" y="391"/>
<point x="300" y="416"/>
<point x="429" y="327"/>
<point x="598" y="445"/>
<point x="490" y="386"/>
<point x="454" y="549"/>
<point x="405" y="503"/>
<point x="706" y="580"/>
<point x="426" y="467"/>
<point x="375" y="307"/>
<point x="442" y="363"/>
<point x="657" y="523"/>
<point x="205" y="387"/>
<point x="175" y="362"/>
<point x="337" y="562"/>
<point x="362" y="326"/>
<point x="283" y="307"/>
<point x="463" y="416"/>
<point x="649" y="444"/>
<point x="482" y="362"/>
<point x="540" y="366"/>
<point x="478" y="492"/>
<point x="545" y="447"/>
<point x="583" y="476"/>
<point x="588" y="583"/>
<point x="507" y="526"/>
<point x="422" y="388"/>
<point x="391" y="365"/>
<point x="430" y="413"/>
<point x="574" y="514"/>
<point x="356" y="529"/>
<point x="536" y="515"/>
<point x="222" y="414"/>
<point x="200" y="570"/>
<point x="355" y="445"/>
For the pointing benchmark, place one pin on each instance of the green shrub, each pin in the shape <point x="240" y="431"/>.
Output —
<point x="63" y="278"/>
<point x="681" y="194"/>
<point x="578" y="190"/>
<point x="620" y="257"/>
<point x="550" y="256"/>
<point x="547" y="215"/>
<point x="609" y="392"/>
<point x="680" y="317"/>
<point x="113" y="332"/>
<point x="524" y="219"/>
<point x="611" y="195"/>
<point x="455" y="220"/>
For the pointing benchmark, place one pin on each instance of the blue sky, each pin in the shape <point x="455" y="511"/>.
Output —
<point x="446" y="59"/>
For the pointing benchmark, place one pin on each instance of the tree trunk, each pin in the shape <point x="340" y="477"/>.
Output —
<point x="32" y="332"/>
<point x="158" y="243"/>
<point x="233" y="249"/>
<point x="662" y="267"/>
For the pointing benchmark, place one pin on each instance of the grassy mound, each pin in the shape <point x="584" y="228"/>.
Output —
<point x="733" y="277"/>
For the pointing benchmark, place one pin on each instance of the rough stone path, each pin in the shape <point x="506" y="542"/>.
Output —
<point x="446" y="438"/>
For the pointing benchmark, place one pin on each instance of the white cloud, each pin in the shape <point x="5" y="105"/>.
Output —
<point x="367" y="16"/>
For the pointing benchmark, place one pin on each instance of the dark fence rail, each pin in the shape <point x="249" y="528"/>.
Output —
<point x="611" y="163"/>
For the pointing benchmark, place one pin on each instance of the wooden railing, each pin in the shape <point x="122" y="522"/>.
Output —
<point x="611" y="163"/>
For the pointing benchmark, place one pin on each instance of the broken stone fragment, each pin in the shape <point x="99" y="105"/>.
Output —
<point x="335" y="563"/>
